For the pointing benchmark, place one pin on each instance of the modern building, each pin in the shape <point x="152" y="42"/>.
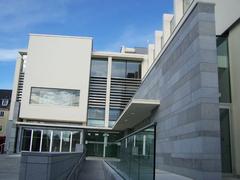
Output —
<point x="168" y="110"/>
<point x="5" y="99"/>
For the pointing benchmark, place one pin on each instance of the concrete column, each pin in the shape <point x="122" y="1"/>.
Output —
<point x="107" y="106"/>
<point x="158" y="42"/>
<point x="166" y="26"/>
<point x="150" y="54"/>
<point x="178" y="10"/>
<point x="105" y="143"/>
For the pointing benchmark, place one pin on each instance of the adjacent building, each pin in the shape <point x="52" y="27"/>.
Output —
<point x="5" y="100"/>
<point x="169" y="109"/>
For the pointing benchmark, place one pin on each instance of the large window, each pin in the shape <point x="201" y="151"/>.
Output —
<point x="1" y="113"/>
<point x="50" y="140"/>
<point x="223" y="70"/>
<point x="126" y="69"/>
<point x="63" y="97"/>
<point x="99" y="68"/>
<point x="96" y="117"/>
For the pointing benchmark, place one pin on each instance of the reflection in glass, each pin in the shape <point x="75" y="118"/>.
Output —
<point x="56" y="141"/>
<point x="26" y="140"/>
<point x="119" y="69"/>
<point x="46" y="140"/>
<point x="75" y="140"/>
<point x="223" y="70"/>
<point x="96" y="116"/>
<point x="63" y="97"/>
<point x="36" y="140"/>
<point x="136" y="155"/>
<point x="133" y="70"/>
<point x="66" y="138"/>
<point x="113" y="116"/>
<point x="99" y="68"/>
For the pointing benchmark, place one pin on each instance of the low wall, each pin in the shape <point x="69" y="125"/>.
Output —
<point x="48" y="166"/>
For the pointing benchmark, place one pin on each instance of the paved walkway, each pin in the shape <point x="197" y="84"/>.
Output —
<point x="92" y="170"/>
<point x="9" y="166"/>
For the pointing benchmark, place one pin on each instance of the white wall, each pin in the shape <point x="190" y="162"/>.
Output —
<point x="57" y="62"/>
<point x="234" y="57"/>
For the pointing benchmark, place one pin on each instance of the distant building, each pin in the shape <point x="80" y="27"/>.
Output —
<point x="173" y="107"/>
<point x="5" y="100"/>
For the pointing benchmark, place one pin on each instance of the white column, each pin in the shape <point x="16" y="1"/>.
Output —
<point x="178" y="10"/>
<point x="150" y="54"/>
<point x="60" y="149"/>
<point x="81" y="137"/>
<point x="70" y="148"/>
<point x="31" y="141"/>
<point x="107" y="106"/>
<point x="166" y="26"/>
<point x="40" y="148"/>
<point x="158" y="43"/>
<point x="105" y="143"/>
<point x="144" y="145"/>
<point x="134" y="140"/>
<point x="51" y="140"/>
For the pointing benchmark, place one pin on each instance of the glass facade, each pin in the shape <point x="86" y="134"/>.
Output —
<point x="50" y="140"/>
<point x="223" y="70"/>
<point x="136" y="155"/>
<point x="96" y="116"/>
<point x="113" y="116"/>
<point x="61" y="97"/>
<point x="99" y="67"/>
<point x="126" y="69"/>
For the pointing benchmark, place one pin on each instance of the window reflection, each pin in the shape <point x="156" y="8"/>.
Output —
<point x="46" y="140"/>
<point x="56" y="141"/>
<point x="99" y="67"/>
<point x="96" y="116"/>
<point x="126" y="69"/>
<point x="113" y="116"/>
<point x="66" y="137"/>
<point x="51" y="96"/>
<point x="36" y="140"/>
<point x="223" y="70"/>
<point x="75" y="140"/>
<point x="26" y="139"/>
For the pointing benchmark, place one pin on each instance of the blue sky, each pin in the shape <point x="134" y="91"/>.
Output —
<point x="112" y="23"/>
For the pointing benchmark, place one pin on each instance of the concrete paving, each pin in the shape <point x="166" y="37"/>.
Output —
<point x="9" y="166"/>
<point x="92" y="170"/>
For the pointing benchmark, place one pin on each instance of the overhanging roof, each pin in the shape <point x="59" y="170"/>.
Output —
<point x="135" y="112"/>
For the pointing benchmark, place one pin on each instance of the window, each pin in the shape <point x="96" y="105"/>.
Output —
<point x="113" y="116"/>
<point x="126" y="69"/>
<point x="1" y="114"/>
<point x="223" y="70"/>
<point x="46" y="138"/>
<point x="119" y="69"/>
<point x="66" y="138"/>
<point x="63" y="97"/>
<point x="96" y="117"/>
<point x="99" y="68"/>
<point x="5" y="102"/>
<point x="75" y="140"/>
<point x="0" y="127"/>
<point x="133" y="70"/>
<point x="36" y="140"/>
<point x="56" y="141"/>
<point x="26" y="140"/>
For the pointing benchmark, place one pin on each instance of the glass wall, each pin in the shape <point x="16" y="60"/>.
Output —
<point x="96" y="116"/>
<point x="126" y="69"/>
<point x="62" y="97"/>
<point x="99" y="67"/>
<point x="50" y="140"/>
<point x="136" y="155"/>
<point x="223" y="70"/>
<point x="113" y="116"/>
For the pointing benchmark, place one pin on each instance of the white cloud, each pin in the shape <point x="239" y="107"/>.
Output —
<point x="19" y="14"/>
<point x="8" y="54"/>
<point x="131" y="37"/>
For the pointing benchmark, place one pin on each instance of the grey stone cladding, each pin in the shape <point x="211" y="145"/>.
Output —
<point x="185" y="80"/>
